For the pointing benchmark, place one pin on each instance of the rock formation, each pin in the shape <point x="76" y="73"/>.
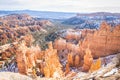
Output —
<point x="52" y="64"/>
<point x="74" y="53"/>
<point x="77" y="61"/>
<point x="95" y="66"/>
<point x="70" y="59"/>
<point x="102" y="42"/>
<point x="13" y="26"/>
<point x="27" y="57"/>
<point x="88" y="60"/>
<point x="21" y="59"/>
<point x="67" y="68"/>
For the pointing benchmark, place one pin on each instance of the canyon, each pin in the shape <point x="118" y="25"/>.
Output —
<point x="73" y="54"/>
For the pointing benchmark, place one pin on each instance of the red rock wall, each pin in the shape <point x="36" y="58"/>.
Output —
<point x="103" y="42"/>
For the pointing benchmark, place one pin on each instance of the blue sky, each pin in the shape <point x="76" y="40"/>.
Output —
<point x="62" y="5"/>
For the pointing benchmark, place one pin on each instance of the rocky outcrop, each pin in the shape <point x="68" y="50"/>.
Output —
<point x="88" y="60"/>
<point x="102" y="42"/>
<point x="106" y="72"/>
<point x="14" y="26"/>
<point x="31" y="60"/>
<point x="53" y="67"/>
<point x="26" y="58"/>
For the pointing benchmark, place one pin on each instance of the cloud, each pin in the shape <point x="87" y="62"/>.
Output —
<point x="9" y="2"/>
<point x="62" y="5"/>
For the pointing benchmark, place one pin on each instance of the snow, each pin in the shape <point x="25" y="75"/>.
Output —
<point x="111" y="72"/>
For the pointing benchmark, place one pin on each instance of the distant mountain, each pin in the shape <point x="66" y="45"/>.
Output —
<point x="99" y="14"/>
<point x="93" y="20"/>
<point x="40" y="14"/>
<point x="78" y="20"/>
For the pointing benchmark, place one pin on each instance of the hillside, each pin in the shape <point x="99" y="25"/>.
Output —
<point x="14" y="26"/>
<point x="93" y="20"/>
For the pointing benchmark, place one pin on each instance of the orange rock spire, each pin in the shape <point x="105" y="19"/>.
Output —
<point x="88" y="60"/>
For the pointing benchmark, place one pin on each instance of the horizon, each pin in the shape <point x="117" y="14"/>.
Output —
<point x="76" y="6"/>
<point x="60" y="11"/>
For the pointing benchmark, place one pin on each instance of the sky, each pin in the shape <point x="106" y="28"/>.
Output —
<point x="62" y="5"/>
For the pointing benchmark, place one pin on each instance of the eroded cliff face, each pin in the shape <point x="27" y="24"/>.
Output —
<point x="14" y="26"/>
<point x="102" y="42"/>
